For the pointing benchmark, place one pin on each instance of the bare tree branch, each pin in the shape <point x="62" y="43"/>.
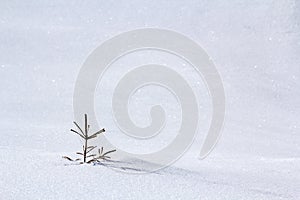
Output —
<point x="77" y="133"/>
<point x="78" y="127"/>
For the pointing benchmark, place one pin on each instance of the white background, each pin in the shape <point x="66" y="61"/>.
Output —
<point x="255" y="46"/>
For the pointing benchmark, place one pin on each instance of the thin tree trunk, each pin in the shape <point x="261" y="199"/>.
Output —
<point x="86" y="140"/>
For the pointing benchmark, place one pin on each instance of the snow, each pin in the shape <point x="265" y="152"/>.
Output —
<point x="255" y="46"/>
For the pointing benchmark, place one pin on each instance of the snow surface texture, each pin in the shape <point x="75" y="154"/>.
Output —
<point x="255" y="45"/>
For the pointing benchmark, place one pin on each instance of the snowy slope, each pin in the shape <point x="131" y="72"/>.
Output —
<point x="254" y="45"/>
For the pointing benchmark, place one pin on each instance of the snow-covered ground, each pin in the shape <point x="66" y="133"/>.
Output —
<point x="255" y="46"/>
